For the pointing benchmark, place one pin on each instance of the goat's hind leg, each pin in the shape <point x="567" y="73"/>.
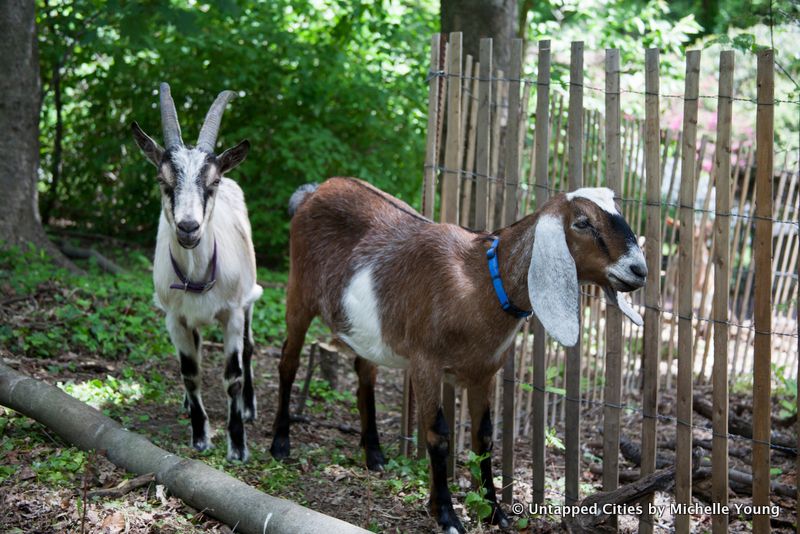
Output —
<point x="367" y="373"/>
<point x="296" y="327"/>
<point x="248" y="393"/>
<point x="234" y="385"/>
<point x="188" y="346"/>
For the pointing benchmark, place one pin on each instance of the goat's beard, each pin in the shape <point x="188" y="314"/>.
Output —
<point x="618" y="300"/>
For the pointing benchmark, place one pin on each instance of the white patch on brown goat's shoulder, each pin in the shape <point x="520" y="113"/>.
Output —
<point x="602" y="196"/>
<point x="362" y="309"/>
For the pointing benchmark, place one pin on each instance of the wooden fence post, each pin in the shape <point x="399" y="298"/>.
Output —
<point x="722" y="230"/>
<point x="683" y="441"/>
<point x="449" y="202"/>
<point x="572" y="431"/>
<point x="435" y="93"/>
<point x="652" y="326"/>
<point x="542" y="194"/>
<point x="612" y="393"/>
<point x="512" y="172"/>
<point x="762" y="252"/>
<point x="483" y="142"/>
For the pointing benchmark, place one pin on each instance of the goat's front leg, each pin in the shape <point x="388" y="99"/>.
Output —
<point x="367" y="373"/>
<point x="234" y="384"/>
<point x="188" y="346"/>
<point x="480" y="414"/>
<point x="248" y="393"/>
<point x="429" y="408"/>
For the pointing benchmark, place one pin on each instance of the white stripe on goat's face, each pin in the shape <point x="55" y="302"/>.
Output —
<point x="188" y="181"/>
<point x="602" y="196"/>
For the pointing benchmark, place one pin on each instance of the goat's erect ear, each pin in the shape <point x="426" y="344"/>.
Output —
<point x="553" y="281"/>
<point x="149" y="148"/>
<point x="233" y="156"/>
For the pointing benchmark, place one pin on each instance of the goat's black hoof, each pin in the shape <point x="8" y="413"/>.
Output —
<point x="449" y="521"/>
<point x="280" y="447"/>
<point x="375" y="459"/>
<point x="202" y="444"/>
<point x="238" y="454"/>
<point x="498" y="517"/>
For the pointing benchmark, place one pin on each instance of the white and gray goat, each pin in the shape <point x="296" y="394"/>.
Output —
<point x="204" y="267"/>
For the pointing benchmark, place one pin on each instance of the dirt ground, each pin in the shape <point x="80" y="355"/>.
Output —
<point x="325" y="471"/>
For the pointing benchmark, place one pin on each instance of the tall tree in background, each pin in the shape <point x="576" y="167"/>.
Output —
<point x="20" y="104"/>
<point x="482" y="18"/>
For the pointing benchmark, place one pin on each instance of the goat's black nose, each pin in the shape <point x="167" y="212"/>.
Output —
<point x="188" y="226"/>
<point x="639" y="269"/>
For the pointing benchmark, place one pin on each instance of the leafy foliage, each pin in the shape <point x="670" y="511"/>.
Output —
<point x="327" y="87"/>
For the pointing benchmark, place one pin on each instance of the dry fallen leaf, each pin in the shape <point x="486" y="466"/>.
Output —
<point x="114" y="523"/>
<point x="26" y="473"/>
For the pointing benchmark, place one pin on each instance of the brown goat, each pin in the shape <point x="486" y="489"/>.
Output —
<point x="403" y="291"/>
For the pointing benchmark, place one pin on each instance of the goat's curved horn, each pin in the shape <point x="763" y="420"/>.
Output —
<point x="208" y="133"/>
<point x="169" y="119"/>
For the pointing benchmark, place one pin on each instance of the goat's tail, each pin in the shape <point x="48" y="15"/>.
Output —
<point x="299" y="196"/>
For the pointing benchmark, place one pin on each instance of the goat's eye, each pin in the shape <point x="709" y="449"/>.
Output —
<point x="215" y="183"/>
<point x="581" y="224"/>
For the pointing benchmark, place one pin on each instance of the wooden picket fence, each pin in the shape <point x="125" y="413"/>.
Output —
<point x="491" y="160"/>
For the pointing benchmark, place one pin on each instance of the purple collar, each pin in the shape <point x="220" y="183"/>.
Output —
<point x="188" y="285"/>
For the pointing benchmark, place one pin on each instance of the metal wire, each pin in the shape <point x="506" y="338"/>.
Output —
<point x="443" y="74"/>
<point x="472" y="175"/>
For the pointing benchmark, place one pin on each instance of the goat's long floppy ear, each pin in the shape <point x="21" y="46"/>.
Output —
<point x="553" y="281"/>
<point x="149" y="148"/>
<point x="233" y="156"/>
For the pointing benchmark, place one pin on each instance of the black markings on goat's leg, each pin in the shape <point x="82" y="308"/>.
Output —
<point x="193" y="402"/>
<point x="248" y="393"/>
<point x="237" y="448"/>
<point x="370" y="441"/>
<point x="438" y="449"/>
<point x="485" y="443"/>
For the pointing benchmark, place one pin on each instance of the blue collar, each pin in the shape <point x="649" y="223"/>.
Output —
<point x="494" y="270"/>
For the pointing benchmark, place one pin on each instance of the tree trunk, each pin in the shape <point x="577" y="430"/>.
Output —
<point x="20" y="104"/>
<point x="482" y="18"/>
<point x="215" y="493"/>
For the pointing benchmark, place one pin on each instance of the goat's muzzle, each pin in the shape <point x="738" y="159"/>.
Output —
<point x="188" y="233"/>
<point x="629" y="272"/>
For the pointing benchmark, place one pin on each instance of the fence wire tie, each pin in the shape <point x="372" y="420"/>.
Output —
<point x="435" y="74"/>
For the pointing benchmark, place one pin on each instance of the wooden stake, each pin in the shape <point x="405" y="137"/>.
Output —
<point x="762" y="252"/>
<point x="483" y="141"/>
<point x="722" y="230"/>
<point x="652" y="326"/>
<point x="513" y="173"/>
<point x="683" y="440"/>
<point x="542" y="194"/>
<point x="612" y="393"/>
<point x="573" y="369"/>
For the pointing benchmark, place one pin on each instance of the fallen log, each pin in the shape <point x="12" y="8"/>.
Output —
<point x="740" y="427"/>
<point x="219" y="495"/>
<point x="624" y="475"/>
<point x="633" y="453"/>
<point x="79" y="253"/>
<point x="661" y="480"/>
<point x="740" y="481"/>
